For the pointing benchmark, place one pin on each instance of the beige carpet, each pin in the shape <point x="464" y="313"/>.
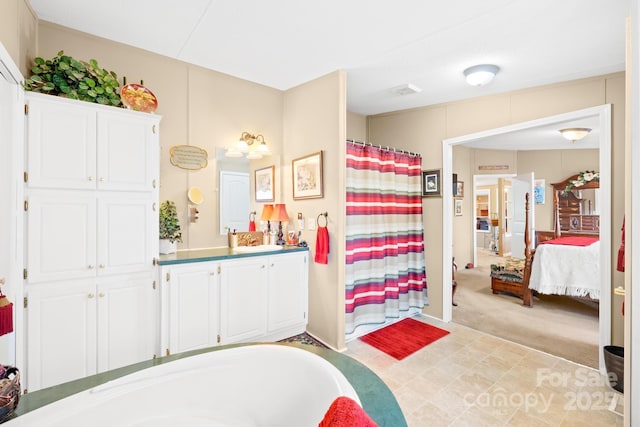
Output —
<point x="557" y="325"/>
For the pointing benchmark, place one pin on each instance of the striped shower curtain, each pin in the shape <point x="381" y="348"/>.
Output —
<point x="385" y="267"/>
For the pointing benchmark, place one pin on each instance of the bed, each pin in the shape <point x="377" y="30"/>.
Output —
<point x="564" y="262"/>
<point x="567" y="266"/>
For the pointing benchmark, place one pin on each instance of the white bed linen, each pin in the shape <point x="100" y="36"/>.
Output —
<point x="566" y="270"/>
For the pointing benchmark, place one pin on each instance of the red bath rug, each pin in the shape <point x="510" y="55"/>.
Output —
<point x="404" y="338"/>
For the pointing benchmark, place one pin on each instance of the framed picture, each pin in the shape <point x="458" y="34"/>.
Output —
<point x="457" y="207"/>
<point x="431" y="184"/>
<point x="307" y="177"/>
<point x="459" y="189"/>
<point x="538" y="191"/>
<point x="454" y="181"/>
<point x="265" y="184"/>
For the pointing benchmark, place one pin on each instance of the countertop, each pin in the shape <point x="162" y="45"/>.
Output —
<point x="216" y="254"/>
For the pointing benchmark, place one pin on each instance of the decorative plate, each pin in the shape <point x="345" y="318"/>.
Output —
<point x="139" y="98"/>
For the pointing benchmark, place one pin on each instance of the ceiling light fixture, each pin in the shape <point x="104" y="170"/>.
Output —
<point x="480" y="75"/>
<point x="575" y="134"/>
<point x="254" y="146"/>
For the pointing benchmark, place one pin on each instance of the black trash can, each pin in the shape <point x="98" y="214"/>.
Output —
<point x="614" y="363"/>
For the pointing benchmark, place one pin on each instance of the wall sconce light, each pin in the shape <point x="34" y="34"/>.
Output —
<point x="575" y="134"/>
<point x="254" y="146"/>
<point x="480" y="75"/>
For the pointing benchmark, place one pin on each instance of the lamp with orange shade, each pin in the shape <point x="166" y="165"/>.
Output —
<point x="280" y="214"/>
<point x="267" y="211"/>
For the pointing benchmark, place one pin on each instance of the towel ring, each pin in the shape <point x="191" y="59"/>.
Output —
<point x="326" y="221"/>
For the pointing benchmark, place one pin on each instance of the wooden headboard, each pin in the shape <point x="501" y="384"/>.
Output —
<point x="569" y="217"/>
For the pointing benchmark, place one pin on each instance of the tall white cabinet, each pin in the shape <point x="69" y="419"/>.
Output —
<point x="91" y="199"/>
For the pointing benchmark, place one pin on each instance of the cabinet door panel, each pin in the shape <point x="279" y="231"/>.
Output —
<point x="61" y="235"/>
<point x="61" y="144"/>
<point x="243" y="292"/>
<point x="193" y="307"/>
<point x="124" y="152"/>
<point x="61" y="333"/>
<point x="287" y="290"/>
<point x="124" y="233"/>
<point x="126" y="313"/>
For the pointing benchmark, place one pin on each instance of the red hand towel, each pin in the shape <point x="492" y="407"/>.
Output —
<point x="620" y="263"/>
<point x="322" y="246"/>
<point x="345" y="412"/>
<point x="252" y="226"/>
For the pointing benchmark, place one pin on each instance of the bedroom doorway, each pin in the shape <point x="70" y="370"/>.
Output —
<point x="600" y="119"/>
<point x="491" y="238"/>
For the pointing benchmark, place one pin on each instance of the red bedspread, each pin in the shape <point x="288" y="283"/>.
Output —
<point x="572" y="241"/>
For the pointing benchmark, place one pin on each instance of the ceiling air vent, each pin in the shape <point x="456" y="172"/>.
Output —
<point x="406" y="89"/>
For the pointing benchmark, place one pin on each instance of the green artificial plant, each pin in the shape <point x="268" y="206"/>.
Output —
<point x="169" y="225"/>
<point x="70" y="78"/>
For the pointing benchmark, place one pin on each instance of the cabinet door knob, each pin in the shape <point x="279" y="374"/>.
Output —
<point x="91" y="296"/>
<point x="101" y="179"/>
<point x="90" y="178"/>
<point x="90" y="267"/>
<point x="101" y="294"/>
<point x="101" y="266"/>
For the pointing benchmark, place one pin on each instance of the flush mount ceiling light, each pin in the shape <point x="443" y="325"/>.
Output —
<point x="480" y="75"/>
<point x="254" y="146"/>
<point x="575" y="134"/>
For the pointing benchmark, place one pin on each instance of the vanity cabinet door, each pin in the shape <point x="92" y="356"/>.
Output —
<point x="287" y="291"/>
<point x="243" y="295"/>
<point x="193" y="314"/>
<point x="126" y="321"/>
<point x="61" y="333"/>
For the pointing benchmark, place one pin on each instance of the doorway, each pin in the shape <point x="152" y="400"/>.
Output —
<point x="601" y="116"/>
<point x="492" y="238"/>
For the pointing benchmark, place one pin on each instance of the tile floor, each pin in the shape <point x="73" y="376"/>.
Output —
<point x="469" y="378"/>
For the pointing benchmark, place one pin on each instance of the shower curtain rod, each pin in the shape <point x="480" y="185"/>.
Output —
<point x="387" y="148"/>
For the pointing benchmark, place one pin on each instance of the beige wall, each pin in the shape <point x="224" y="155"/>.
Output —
<point x="356" y="126"/>
<point x="432" y="124"/>
<point x="18" y="32"/>
<point x="315" y="119"/>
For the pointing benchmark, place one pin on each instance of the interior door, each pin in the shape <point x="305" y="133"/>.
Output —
<point x="520" y="185"/>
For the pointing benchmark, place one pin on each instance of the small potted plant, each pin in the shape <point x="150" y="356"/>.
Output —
<point x="170" y="232"/>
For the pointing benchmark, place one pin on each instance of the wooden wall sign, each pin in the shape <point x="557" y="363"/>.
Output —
<point x="493" y="167"/>
<point x="189" y="157"/>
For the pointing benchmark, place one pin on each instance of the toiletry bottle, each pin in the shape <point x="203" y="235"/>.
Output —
<point x="265" y="237"/>
<point x="234" y="239"/>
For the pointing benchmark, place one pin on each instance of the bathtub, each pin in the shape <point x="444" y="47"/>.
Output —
<point x="255" y="385"/>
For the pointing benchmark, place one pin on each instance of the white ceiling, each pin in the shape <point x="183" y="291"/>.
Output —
<point x="380" y="43"/>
